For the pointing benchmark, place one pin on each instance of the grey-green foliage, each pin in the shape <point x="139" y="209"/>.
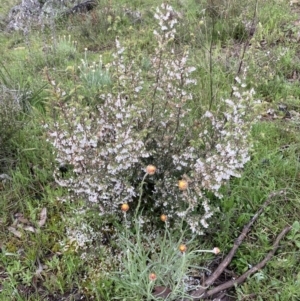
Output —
<point x="157" y="255"/>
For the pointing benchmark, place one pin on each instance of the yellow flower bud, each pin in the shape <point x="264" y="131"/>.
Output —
<point x="150" y="170"/>
<point x="182" y="248"/>
<point x="183" y="185"/>
<point x="216" y="250"/>
<point x="125" y="207"/>
<point x="152" y="277"/>
<point x="163" y="217"/>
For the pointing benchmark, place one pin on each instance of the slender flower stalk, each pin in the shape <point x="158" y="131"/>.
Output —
<point x="140" y="195"/>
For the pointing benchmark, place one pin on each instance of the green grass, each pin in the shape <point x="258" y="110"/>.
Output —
<point x="273" y="168"/>
<point x="46" y="264"/>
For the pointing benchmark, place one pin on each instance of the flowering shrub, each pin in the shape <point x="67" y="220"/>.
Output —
<point x="145" y="119"/>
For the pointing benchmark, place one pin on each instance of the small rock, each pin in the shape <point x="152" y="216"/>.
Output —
<point x="36" y="12"/>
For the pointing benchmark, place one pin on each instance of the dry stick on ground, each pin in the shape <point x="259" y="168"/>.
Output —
<point x="202" y="292"/>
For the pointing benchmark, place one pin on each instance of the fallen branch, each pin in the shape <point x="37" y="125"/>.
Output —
<point x="204" y="293"/>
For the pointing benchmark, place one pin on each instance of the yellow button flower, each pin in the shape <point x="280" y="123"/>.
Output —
<point x="150" y="170"/>
<point x="183" y="185"/>
<point x="125" y="207"/>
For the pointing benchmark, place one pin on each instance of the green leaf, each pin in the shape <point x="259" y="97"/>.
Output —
<point x="296" y="226"/>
